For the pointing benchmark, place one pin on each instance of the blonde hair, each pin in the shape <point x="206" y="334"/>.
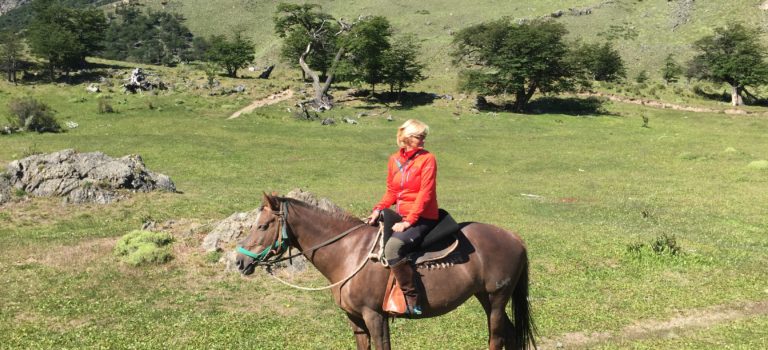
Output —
<point x="411" y="127"/>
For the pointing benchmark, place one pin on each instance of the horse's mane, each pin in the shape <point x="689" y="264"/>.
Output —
<point x="309" y="200"/>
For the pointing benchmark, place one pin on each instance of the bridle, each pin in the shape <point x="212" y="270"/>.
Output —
<point x="282" y="242"/>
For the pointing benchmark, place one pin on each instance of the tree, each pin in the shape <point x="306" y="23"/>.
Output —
<point x="65" y="36"/>
<point x="400" y="66"/>
<point x="320" y="31"/>
<point x="155" y="38"/>
<point x="505" y="58"/>
<point x="733" y="55"/>
<point x="671" y="70"/>
<point x="602" y="62"/>
<point x="11" y="48"/>
<point x="321" y="59"/>
<point x="365" y="45"/>
<point x="230" y="55"/>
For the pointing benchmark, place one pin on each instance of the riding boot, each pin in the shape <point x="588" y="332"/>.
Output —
<point x="403" y="272"/>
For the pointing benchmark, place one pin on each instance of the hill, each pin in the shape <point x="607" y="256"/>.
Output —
<point x="645" y="31"/>
<point x="15" y="14"/>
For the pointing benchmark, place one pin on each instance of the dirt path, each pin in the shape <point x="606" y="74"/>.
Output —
<point x="269" y="100"/>
<point x="689" y="320"/>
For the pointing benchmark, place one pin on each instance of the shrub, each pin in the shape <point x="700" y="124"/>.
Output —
<point x="642" y="77"/>
<point x="663" y="245"/>
<point x="32" y="115"/>
<point x="213" y="257"/>
<point x="105" y="106"/>
<point x="144" y="247"/>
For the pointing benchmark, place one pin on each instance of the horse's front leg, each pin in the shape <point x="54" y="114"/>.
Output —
<point x="378" y="327"/>
<point x="362" y="336"/>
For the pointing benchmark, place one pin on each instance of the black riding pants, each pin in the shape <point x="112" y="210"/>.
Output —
<point x="402" y="243"/>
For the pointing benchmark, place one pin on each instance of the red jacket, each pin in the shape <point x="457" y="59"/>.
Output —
<point x="412" y="188"/>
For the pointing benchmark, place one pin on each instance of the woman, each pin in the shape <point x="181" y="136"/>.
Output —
<point x="411" y="186"/>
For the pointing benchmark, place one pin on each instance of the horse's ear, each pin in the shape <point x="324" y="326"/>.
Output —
<point x="270" y="201"/>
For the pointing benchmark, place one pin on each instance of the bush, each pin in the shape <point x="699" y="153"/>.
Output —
<point x="144" y="247"/>
<point x="32" y="115"/>
<point x="105" y="106"/>
<point x="642" y="77"/>
<point x="665" y="245"/>
<point x="662" y="245"/>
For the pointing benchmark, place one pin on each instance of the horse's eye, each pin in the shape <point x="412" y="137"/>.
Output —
<point x="262" y="227"/>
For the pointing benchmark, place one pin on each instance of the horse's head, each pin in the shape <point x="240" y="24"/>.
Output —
<point x="267" y="237"/>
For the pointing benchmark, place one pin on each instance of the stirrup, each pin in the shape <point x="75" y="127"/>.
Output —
<point x="413" y="311"/>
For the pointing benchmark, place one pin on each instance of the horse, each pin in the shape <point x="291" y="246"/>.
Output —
<point x="494" y="269"/>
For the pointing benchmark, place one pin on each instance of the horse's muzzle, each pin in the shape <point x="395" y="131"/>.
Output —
<point x="245" y="264"/>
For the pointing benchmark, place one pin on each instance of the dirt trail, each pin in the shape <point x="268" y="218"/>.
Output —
<point x="269" y="100"/>
<point x="689" y="320"/>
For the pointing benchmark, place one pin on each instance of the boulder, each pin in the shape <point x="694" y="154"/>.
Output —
<point x="138" y="81"/>
<point x="328" y="121"/>
<point x="93" y="88"/>
<point x="227" y="233"/>
<point x="84" y="177"/>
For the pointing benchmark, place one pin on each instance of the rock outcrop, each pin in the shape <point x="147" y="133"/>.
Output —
<point x="82" y="177"/>
<point x="8" y="5"/>
<point x="227" y="233"/>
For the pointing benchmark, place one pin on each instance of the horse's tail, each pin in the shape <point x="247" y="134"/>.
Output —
<point x="524" y="328"/>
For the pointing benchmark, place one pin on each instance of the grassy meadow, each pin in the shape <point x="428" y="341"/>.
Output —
<point x="592" y="195"/>
<point x="589" y="194"/>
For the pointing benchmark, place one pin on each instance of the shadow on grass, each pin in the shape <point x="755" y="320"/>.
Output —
<point x="404" y="100"/>
<point x="725" y="97"/>
<point x="407" y="100"/>
<point x="721" y="97"/>
<point x="569" y="106"/>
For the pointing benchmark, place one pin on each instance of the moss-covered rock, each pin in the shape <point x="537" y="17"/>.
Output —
<point x="144" y="247"/>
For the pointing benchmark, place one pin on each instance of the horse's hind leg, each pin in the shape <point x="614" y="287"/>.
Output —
<point x="498" y="330"/>
<point x="362" y="336"/>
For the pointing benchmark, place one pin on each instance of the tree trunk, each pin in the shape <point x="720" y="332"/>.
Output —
<point x="519" y="104"/>
<point x="322" y="100"/>
<point x="736" y="99"/>
<point x="522" y="96"/>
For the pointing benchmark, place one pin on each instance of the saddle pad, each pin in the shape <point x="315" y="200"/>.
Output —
<point x="447" y="247"/>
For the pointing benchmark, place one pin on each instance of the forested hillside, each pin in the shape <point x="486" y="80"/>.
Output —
<point x="16" y="14"/>
<point x="645" y="32"/>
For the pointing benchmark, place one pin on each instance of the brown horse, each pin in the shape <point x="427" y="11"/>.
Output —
<point x="493" y="268"/>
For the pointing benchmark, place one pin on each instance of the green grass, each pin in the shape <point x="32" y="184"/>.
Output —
<point x="603" y="184"/>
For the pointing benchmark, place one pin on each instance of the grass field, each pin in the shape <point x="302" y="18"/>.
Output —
<point x="589" y="194"/>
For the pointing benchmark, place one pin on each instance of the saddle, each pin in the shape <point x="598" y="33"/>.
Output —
<point x="437" y="244"/>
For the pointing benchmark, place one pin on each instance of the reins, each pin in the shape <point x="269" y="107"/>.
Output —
<point x="343" y="280"/>
<point x="281" y="244"/>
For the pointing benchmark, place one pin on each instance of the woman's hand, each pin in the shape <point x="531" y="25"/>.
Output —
<point x="401" y="226"/>
<point x="374" y="218"/>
